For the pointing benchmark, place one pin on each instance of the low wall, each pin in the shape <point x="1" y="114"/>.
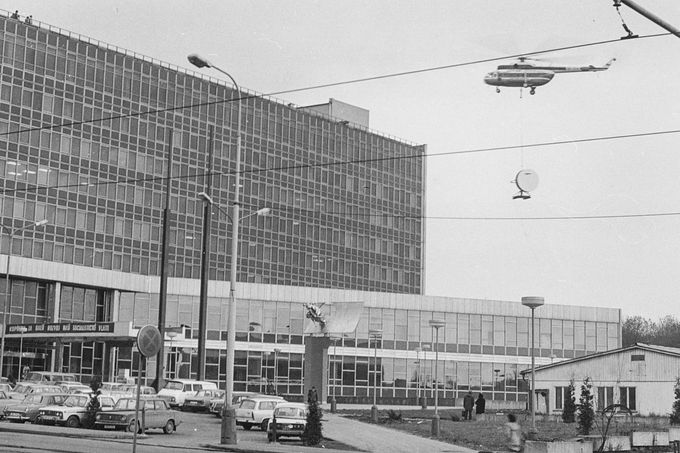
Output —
<point x="557" y="447"/>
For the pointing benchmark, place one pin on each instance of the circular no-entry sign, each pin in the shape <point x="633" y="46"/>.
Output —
<point x="149" y="340"/>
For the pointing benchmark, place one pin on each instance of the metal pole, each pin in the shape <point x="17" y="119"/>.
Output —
<point x="205" y="263"/>
<point x="21" y="352"/>
<point x="8" y="297"/>
<point x="436" y="374"/>
<point x="532" y="395"/>
<point x="165" y="252"/>
<point x="654" y="18"/>
<point x="229" y="414"/>
<point x="375" y="372"/>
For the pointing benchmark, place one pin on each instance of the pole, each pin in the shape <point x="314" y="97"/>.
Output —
<point x="228" y="434"/>
<point x="532" y="396"/>
<point x="205" y="263"/>
<point x="8" y="297"/>
<point x="654" y="18"/>
<point x="435" y="419"/>
<point x="21" y="352"/>
<point x="165" y="252"/>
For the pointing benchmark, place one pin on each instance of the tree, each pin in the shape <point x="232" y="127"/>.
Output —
<point x="664" y="332"/>
<point x="586" y="414"/>
<point x="312" y="434"/>
<point x="675" y="414"/>
<point x="569" y="408"/>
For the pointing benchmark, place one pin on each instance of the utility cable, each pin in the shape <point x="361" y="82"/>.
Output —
<point x="316" y="87"/>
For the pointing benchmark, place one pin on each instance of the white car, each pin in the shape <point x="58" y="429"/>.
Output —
<point x="256" y="411"/>
<point x="291" y="421"/>
<point x="176" y="390"/>
<point x="73" y="412"/>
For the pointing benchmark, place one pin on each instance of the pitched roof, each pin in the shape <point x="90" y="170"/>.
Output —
<point x="643" y="346"/>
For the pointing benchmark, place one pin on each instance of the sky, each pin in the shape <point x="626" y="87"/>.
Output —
<point x="603" y="226"/>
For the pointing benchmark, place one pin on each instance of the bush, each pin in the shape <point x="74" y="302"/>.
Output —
<point x="394" y="416"/>
<point x="569" y="409"/>
<point x="586" y="415"/>
<point x="455" y="418"/>
<point x="312" y="434"/>
<point x="675" y="414"/>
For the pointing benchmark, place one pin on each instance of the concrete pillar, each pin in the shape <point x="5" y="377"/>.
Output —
<point x="316" y="366"/>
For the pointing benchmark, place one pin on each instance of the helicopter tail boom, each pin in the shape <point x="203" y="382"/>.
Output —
<point x="589" y="68"/>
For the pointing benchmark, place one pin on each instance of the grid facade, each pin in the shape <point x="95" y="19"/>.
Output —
<point x="86" y="132"/>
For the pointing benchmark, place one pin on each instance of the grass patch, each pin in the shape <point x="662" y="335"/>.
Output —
<point x="490" y="434"/>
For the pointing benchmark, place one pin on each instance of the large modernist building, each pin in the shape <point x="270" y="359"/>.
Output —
<point x="95" y="139"/>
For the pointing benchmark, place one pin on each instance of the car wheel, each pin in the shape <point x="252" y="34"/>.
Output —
<point x="73" y="422"/>
<point x="132" y="426"/>
<point x="263" y="425"/>
<point x="246" y="426"/>
<point x="169" y="427"/>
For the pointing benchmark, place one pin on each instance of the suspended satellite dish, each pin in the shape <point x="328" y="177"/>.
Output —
<point x="526" y="181"/>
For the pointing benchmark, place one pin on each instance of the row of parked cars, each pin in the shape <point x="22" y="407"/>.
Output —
<point x="66" y="403"/>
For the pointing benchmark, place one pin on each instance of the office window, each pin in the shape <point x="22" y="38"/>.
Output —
<point x="627" y="397"/>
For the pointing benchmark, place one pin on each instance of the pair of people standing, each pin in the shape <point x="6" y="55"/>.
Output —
<point x="469" y="403"/>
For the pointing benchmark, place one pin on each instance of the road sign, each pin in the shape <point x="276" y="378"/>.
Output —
<point x="149" y="340"/>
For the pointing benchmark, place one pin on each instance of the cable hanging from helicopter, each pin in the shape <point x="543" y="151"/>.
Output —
<point x="617" y="5"/>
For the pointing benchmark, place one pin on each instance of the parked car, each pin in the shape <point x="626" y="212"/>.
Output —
<point x="176" y="390"/>
<point x="25" y="388"/>
<point x="28" y="409"/>
<point x="73" y="412"/>
<point x="75" y="387"/>
<point x="291" y="420"/>
<point x="256" y="411"/>
<point x="157" y="414"/>
<point x="200" y="401"/>
<point x="217" y="404"/>
<point x="107" y="388"/>
<point x="131" y="389"/>
<point x="49" y="377"/>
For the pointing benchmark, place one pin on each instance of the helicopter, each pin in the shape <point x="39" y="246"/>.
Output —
<point x="529" y="73"/>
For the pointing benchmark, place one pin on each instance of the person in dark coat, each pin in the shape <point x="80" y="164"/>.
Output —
<point x="468" y="404"/>
<point x="480" y="404"/>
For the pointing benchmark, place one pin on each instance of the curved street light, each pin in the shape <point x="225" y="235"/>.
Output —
<point x="533" y="303"/>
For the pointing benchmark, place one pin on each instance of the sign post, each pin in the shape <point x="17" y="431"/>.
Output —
<point x="149" y="342"/>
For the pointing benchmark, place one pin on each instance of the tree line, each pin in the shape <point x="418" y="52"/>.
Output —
<point x="664" y="332"/>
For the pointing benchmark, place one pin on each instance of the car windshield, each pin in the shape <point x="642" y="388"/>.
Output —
<point x="125" y="404"/>
<point x="174" y="385"/>
<point x="21" y="388"/>
<point x="76" y="401"/>
<point x="290" y="412"/>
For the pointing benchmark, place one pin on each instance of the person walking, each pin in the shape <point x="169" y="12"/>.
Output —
<point x="514" y="433"/>
<point x="480" y="405"/>
<point x="468" y="404"/>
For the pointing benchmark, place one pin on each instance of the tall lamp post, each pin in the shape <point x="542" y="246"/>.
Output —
<point x="334" y="402"/>
<point x="22" y="331"/>
<point x="375" y="335"/>
<point x="436" y="325"/>
<point x="8" y="286"/>
<point x="533" y="303"/>
<point x="418" y="349"/>
<point x="276" y="370"/>
<point x="228" y="431"/>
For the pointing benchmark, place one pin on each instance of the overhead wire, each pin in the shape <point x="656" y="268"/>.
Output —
<point x="353" y="161"/>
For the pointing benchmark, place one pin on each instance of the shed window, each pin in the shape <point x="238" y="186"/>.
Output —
<point x="637" y="358"/>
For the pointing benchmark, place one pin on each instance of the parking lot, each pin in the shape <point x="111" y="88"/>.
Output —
<point x="196" y="429"/>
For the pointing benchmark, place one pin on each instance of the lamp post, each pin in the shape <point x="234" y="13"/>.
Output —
<point x="276" y="370"/>
<point x="425" y="347"/>
<point x="334" y="402"/>
<point x="8" y="286"/>
<point x="22" y="330"/>
<point x="436" y="325"/>
<point x="418" y="349"/>
<point x="228" y="431"/>
<point x="375" y="335"/>
<point x="533" y="303"/>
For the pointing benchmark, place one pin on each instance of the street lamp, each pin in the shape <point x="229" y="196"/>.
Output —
<point x="334" y="402"/>
<point x="276" y="369"/>
<point x="8" y="286"/>
<point x="533" y="303"/>
<point x="22" y="330"/>
<point x="228" y="432"/>
<point x="418" y="349"/>
<point x="375" y="335"/>
<point x="436" y="325"/>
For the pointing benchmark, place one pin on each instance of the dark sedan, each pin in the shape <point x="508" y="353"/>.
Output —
<point x="29" y="408"/>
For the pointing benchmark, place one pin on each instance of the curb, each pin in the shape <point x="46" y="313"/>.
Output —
<point x="68" y="432"/>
